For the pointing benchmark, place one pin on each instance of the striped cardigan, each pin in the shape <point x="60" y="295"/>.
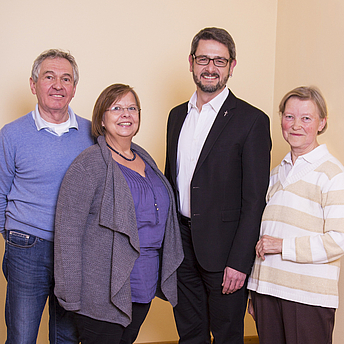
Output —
<point x="306" y="210"/>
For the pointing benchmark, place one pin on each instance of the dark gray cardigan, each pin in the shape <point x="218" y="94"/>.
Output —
<point x="96" y="238"/>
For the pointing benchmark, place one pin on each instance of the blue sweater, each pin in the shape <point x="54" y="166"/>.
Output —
<point x="32" y="166"/>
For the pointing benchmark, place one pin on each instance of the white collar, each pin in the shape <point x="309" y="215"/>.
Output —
<point x="310" y="157"/>
<point x="42" y="124"/>
<point x="215" y="103"/>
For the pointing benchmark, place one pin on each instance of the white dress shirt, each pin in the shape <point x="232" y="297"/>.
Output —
<point x="192" y="136"/>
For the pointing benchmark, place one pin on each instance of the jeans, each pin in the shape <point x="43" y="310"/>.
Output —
<point x="28" y="267"/>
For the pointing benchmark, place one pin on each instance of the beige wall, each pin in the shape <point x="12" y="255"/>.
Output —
<point x="141" y="43"/>
<point x="310" y="51"/>
<point x="146" y="43"/>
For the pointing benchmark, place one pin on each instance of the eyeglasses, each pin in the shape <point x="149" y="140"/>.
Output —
<point x="203" y="60"/>
<point x="118" y="110"/>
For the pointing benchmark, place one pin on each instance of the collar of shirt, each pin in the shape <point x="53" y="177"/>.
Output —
<point x="303" y="160"/>
<point x="52" y="127"/>
<point x="215" y="103"/>
<point x="287" y="159"/>
<point x="310" y="157"/>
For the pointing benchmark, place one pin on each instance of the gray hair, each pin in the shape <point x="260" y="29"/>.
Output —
<point x="53" y="54"/>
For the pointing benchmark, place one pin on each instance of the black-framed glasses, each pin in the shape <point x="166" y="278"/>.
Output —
<point x="117" y="109"/>
<point x="203" y="60"/>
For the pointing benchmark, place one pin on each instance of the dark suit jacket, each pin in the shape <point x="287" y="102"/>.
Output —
<point x="229" y="183"/>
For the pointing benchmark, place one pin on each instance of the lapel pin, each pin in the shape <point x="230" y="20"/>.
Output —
<point x="225" y="114"/>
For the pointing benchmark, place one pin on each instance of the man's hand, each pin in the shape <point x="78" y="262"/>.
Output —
<point x="268" y="244"/>
<point x="233" y="280"/>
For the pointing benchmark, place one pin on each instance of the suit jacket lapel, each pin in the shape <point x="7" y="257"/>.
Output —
<point x="175" y="131"/>
<point x="222" y="118"/>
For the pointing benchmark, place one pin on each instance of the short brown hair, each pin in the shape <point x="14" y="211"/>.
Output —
<point x="111" y="94"/>
<point x="216" y="34"/>
<point x="307" y="93"/>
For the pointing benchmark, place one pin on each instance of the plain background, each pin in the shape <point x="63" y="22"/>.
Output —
<point x="281" y="44"/>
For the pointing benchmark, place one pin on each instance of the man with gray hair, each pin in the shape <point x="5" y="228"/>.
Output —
<point x="35" y="152"/>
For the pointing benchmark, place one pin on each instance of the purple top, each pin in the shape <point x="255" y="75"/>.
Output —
<point x="151" y="206"/>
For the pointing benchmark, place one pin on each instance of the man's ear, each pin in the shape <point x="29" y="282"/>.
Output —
<point x="32" y="86"/>
<point x="191" y="63"/>
<point x="231" y="68"/>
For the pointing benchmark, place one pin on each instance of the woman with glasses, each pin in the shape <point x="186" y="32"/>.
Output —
<point x="294" y="281"/>
<point x="117" y="240"/>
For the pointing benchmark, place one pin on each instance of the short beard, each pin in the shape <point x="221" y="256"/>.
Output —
<point x="210" y="88"/>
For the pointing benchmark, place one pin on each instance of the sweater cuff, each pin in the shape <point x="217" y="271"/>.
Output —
<point x="288" y="249"/>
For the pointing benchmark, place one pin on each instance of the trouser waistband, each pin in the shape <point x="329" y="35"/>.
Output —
<point x="186" y="221"/>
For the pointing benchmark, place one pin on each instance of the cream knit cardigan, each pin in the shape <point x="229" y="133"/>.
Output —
<point x="307" y="211"/>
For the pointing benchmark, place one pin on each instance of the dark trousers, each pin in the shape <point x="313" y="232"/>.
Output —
<point x="92" y="331"/>
<point x="201" y="305"/>
<point x="287" y="322"/>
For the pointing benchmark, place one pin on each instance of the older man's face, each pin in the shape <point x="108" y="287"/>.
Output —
<point x="54" y="89"/>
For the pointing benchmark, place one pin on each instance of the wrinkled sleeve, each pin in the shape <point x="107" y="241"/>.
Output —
<point x="255" y="180"/>
<point x="327" y="246"/>
<point x="73" y="206"/>
<point x="7" y="172"/>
